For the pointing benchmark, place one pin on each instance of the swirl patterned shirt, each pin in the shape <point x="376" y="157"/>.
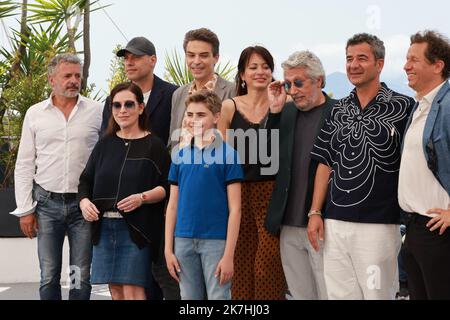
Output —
<point x="362" y="147"/>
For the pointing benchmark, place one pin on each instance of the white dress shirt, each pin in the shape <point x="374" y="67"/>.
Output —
<point x="53" y="151"/>
<point x="418" y="189"/>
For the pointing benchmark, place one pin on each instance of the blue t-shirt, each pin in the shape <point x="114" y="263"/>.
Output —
<point x="202" y="177"/>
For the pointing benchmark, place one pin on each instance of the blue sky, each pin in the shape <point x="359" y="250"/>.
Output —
<point x="282" y="26"/>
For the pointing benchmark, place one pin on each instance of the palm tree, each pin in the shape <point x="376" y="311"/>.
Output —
<point x="25" y="82"/>
<point x="23" y="31"/>
<point x="7" y="8"/>
<point x="69" y="13"/>
<point x="86" y="43"/>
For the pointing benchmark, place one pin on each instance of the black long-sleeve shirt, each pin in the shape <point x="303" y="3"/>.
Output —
<point x="118" y="168"/>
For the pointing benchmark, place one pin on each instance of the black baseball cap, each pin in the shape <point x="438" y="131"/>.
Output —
<point x="139" y="46"/>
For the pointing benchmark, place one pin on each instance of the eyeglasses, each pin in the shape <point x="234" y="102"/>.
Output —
<point x="297" y="83"/>
<point x="128" y="105"/>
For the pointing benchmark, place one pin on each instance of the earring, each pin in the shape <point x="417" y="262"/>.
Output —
<point x="243" y="85"/>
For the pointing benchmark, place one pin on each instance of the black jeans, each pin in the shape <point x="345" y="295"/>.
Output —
<point x="169" y="286"/>
<point x="163" y="286"/>
<point x="427" y="260"/>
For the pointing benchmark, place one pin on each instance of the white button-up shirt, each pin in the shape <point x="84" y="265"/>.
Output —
<point x="53" y="151"/>
<point x="419" y="190"/>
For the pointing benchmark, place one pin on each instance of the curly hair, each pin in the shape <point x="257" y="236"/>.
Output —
<point x="438" y="48"/>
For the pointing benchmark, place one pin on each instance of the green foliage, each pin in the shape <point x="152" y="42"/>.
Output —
<point x="178" y="73"/>
<point x="93" y="94"/>
<point x="41" y="45"/>
<point x="23" y="91"/>
<point x="7" y="8"/>
<point x="51" y="29"/>
<point x="58" y="11"/>
<point x="228" y="71"/>
<point x="117" y="70"/>
<point x="3" y="75"/>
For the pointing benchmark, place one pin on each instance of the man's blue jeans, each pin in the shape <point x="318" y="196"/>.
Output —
<point x="198" y="259"/>
<point x="57" y="217"/>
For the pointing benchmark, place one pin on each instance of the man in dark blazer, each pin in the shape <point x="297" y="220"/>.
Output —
<point x="140" y="60"/>
<point x="299" y="123"/>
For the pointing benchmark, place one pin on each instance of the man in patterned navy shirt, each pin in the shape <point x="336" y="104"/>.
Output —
<point x="359" y="154"/>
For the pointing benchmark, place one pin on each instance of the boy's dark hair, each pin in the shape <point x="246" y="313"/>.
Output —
<point x="203" y="34"/>
<point x="377" y="46"/>
<point x="438" y="48"/>
<point x="209" y="98"/>
<point x="113" y="127"/>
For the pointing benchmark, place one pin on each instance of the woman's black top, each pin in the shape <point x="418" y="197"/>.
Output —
<point x="118" y="168"/>
<point x="248" y="147"/>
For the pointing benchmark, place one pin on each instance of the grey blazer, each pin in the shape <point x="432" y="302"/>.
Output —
<point x="224" y="89"/>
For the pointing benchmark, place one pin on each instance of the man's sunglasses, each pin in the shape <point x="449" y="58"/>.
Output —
<point x="297" y="83"/>
<point x="128" y="105"/>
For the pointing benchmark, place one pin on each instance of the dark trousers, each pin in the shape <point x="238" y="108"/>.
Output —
<point x="168" y="285"/>
<point x="163" y="285"/>
<point x="427" y="260"/>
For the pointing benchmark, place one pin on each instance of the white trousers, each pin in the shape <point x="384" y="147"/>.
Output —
<point x="302" y="265"/>
<point x="360" y="260"/>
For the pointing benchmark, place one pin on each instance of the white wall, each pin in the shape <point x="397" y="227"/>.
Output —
<point x="19" y="260"/>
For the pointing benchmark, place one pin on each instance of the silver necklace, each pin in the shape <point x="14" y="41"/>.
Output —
<point x="127" y="143"/>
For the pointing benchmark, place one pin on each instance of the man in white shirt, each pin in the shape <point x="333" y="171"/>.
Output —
<point x="424" y="182"/>
<point x="58" y="136"/>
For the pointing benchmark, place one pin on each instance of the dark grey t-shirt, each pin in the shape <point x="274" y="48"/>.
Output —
<point x="306" y="130"/>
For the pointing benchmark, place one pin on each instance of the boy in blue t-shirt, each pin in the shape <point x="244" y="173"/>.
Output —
<point x="204" y="209"/>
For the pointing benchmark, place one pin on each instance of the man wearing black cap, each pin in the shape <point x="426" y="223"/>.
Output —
<point x="140" y="60"/>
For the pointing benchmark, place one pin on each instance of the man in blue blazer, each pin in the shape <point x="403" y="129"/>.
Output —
<point x="424" y="183"/>
<point x="140" y="60"/>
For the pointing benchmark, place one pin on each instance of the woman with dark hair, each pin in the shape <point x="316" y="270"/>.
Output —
<point x="122" y="192"/>
<point x="258" y="270"/>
